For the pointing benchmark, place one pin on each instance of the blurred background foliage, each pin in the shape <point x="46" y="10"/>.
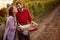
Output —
<point x="38" y="8"/>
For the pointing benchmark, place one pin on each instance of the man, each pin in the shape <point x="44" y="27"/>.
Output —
<point x="23" y="18"/>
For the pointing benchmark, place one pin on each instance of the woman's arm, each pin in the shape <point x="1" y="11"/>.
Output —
<point x="12" y="24"/>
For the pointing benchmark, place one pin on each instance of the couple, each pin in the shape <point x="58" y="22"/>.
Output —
<point x="17" y="16"/>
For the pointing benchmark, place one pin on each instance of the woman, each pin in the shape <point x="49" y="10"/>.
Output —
<point x="10" y="24"/>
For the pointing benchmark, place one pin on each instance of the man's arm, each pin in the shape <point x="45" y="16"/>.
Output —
<point x="30" y="19"/>
<point x="29" y="16"/>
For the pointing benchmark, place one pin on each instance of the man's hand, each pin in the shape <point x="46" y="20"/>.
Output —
<point x="32" y="22"/>
<point x="19" y="24"/>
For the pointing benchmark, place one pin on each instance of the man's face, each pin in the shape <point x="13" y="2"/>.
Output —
<point x="19" y="7"/>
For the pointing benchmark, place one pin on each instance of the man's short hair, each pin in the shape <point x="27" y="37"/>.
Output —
<point x="18" y="3"/>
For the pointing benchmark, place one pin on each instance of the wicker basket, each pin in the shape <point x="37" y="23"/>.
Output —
<point x="30" y="29"/>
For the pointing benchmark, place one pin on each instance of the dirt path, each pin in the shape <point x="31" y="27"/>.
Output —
<point x="48" y="27"/>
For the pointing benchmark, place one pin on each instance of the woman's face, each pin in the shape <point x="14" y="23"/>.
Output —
<point x="15" y="10"/>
